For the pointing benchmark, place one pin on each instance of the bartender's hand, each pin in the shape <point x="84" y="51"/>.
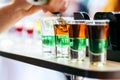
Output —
<point x="53" y="6"/>
<point x="56" y="6"/>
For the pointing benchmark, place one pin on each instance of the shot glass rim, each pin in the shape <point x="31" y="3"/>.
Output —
<point x="54" y="17"/>
<point x="96" y="20"/>
<point x="55" y="21"/>
<point x="78" y="21"/>
<point x="48" y="18"/>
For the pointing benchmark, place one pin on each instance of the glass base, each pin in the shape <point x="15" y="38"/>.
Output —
<point x="48" y="55"/>
<point x="48" y="51"/>
<point x="62" y="56"/>
<point x="97" y="63"/>
<point x="97" y="59"/>
<point x="77" y="55"/>
<point x="62" y="52"/>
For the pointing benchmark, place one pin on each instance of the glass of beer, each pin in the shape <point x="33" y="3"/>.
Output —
<point x="77" y="35"/>
<point x="98" y="42"/>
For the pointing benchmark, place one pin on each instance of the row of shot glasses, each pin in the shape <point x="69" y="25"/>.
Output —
<point x="64" y="37"/>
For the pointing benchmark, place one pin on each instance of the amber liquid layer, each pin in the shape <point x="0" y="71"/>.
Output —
<point x="62" y="40"/>
<point x="61" y="34"/>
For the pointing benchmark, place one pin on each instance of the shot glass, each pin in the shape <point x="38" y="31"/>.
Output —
<point x="77" y="35"/>
<point x="61" y="29"/>
<point x="29" y="31"/>
<point x="19" y="31"/>
<point x="19" y="28"/>
<point x="48" y="37"/>
<point x="98" y="42"/>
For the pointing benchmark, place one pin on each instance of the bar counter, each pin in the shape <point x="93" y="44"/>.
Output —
<point x="31" y="53"/>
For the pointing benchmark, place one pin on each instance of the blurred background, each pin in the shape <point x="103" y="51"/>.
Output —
<point x="27" y="30"/>
<point x="88" y="6"/>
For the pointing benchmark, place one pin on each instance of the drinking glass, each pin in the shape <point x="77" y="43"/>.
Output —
<point x="77" y="35"/>
<point x="98" y="42"/>
<point x="48" y="37"/>
<point x="61" y="29"/>
<point x="29" y="31"/>
<point x="19" y="28"/>
<point x="19" y="31"/>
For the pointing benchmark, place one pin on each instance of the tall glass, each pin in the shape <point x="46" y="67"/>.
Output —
<point x="77" y="35"/>
<point x="98" y="42"/>
<point x="48" y="37"/>
<point x="61" y="29"/>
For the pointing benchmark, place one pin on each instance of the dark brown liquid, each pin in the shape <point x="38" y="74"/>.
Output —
<point x="97" y="31"/>
<point x="77" y="31"/>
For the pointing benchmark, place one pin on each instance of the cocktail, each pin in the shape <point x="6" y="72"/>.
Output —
<point x="62" y="40"/>
<point x="61" y="30"/>
<point x="98" y="42"/>
<point x="48" y="37"/>
<point x="77" y="35"/>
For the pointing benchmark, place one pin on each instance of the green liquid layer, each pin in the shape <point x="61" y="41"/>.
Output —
<point x="62" y="41"/>
<point x="98" y="45"/>
<point x="77" y="43"/>
<point x="48" y="40"/>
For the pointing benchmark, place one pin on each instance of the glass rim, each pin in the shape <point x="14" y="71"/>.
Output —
<point x="76" y="21"/>
<point x="101" y="20"/>
<point x="49" y="17"/>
